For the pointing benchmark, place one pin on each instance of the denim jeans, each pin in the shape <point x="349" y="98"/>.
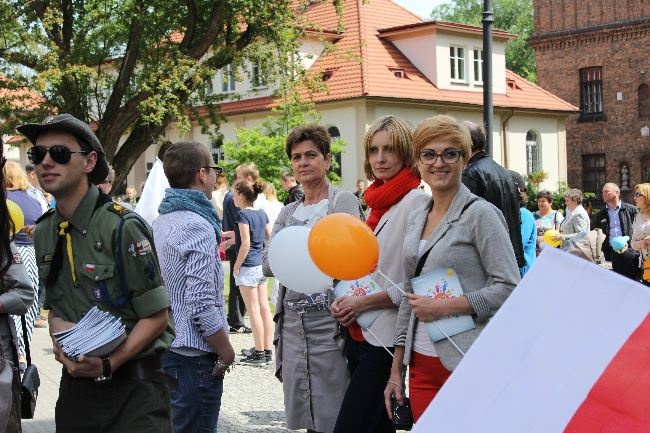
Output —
<point x="197" y="399"/>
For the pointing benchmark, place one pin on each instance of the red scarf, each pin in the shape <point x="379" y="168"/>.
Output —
<point x="381" y="196"/>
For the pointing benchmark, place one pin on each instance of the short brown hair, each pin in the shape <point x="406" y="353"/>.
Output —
<point x="250" y="190"/>
<point x="545" y="194"/>
<point x="182" y="161"/>
<point x="401" y="141"/>
<point x="574" y="194"/>
<point x="444" y="128"/>
<point x="315" y="133"/>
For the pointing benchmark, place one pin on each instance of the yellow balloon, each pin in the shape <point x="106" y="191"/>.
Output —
<point x="16" y="215"/>
<point x="548" y="238"/>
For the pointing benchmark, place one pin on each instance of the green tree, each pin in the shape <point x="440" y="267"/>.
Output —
<point x="134" y="67"/>
<point x="265" y="145"/>
<point x="514" y="16"/>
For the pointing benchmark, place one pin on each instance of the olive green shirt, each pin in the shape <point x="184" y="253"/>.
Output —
<point x="98" y="244"/>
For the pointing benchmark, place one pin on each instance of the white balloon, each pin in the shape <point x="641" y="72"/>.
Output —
<point x="291" y="263"/>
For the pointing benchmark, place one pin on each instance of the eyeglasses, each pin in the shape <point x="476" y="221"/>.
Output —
<point x="217" y="170"/>
<point x="637" y="194"/>
<point x="59" y="154"/>
<point x="449" y="156"/>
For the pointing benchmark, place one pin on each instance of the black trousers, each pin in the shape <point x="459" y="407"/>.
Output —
<point x="236" y="306"/>
<point x="627" y="264"/>
<point x="363" y="409"/>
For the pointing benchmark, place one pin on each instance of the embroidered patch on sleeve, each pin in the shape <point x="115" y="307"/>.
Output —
<point x="140" y="248"/>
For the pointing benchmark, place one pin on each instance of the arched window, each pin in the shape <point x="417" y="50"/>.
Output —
<point x="336" y="156"/>
<point x="533" y="153"/>
<point x="644" y="100"/>
<point x="624" y="175"/>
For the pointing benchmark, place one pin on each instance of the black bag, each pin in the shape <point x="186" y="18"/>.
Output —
<point x="30" y="383"/>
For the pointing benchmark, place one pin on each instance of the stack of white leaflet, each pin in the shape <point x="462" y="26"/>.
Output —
<point x="98" y="333"/>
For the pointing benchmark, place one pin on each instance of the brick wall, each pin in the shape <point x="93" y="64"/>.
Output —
<point x="623" y="54"/>
<point x="566" y="15"/>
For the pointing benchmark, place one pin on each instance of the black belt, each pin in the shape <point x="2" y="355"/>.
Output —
<point x="148" y="368"/>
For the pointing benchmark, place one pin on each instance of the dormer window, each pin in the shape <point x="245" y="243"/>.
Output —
<point x="327" y="74"/>
<point x="457" y="64"/>
<point x="398" y="73"/>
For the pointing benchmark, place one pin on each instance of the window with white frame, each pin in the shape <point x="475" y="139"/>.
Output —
<point x="258" y="77"/>
<point x="477" y="64"/>
<point x="457" y="63"/>
<point x="228" y="79"/>
<point x="533" y="159"/>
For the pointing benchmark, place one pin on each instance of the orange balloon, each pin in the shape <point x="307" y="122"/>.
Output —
<point x="343" y="247"/>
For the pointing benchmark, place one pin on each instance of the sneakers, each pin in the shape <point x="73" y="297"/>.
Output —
<point x="240" y="330"/>
<point x="268" y="354"/>
<point x="255" y="358"/>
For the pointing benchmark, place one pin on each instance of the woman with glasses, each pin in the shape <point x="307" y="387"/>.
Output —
<point x="641" y="228"/>
<point x="390" y="164"/>
<point x="458" y="234"/>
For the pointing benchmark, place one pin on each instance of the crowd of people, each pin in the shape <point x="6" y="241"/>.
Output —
<point x="436" y="201"/>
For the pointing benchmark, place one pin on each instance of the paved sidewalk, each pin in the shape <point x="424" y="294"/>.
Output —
<point x="252" y="399"/>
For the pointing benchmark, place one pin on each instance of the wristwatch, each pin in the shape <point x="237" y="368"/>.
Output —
<point x="107" y="372"/>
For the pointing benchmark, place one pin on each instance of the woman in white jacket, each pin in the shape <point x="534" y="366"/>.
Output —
<point x="390" y="164"/>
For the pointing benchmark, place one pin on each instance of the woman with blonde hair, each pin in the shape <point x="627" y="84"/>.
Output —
<point x="17" y="185"/>
<point x="16" y="296"/>
<point x="390" y="164"/>
<point x="456" y="232"/>
<point x="641" y="228"/>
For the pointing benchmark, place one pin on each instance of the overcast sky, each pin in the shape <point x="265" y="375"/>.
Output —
<point x="422" y="8"/>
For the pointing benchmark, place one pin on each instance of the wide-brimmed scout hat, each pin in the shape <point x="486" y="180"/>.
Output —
<point x="78" y="128"/>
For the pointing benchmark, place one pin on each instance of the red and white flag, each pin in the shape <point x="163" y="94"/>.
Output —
<point x="568" y="352"/>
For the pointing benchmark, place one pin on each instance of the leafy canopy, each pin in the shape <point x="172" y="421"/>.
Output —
<point x="134" y="67"/>
<point x="514" y="16"/>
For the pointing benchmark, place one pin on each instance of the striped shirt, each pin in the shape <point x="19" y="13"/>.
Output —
<point x="187" y="251"/>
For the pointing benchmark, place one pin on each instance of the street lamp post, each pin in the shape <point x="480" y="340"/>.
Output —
<point x="488" y="19"/>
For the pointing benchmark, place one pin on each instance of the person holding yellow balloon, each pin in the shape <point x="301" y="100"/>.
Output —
<point x="455" y="232"/>
<point x="546" y="218"/>
<point x="390" y="164"/>
<point x="25" y="211"/>
<point x="309" y="360"/>
<point x="16" y="296"/>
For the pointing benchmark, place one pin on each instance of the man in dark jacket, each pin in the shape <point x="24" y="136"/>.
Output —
<point x="293" y="188"/>
<point x="489" y="180"/>
<point x="616" y="219"/>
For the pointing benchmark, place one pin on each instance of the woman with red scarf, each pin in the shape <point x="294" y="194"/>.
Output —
<point x="390" y="163"/>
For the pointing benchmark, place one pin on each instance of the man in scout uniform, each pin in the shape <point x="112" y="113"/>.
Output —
<point x="92" y="252"/>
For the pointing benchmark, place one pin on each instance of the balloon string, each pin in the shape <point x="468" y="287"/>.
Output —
<point x="378" y="341"/>
<point x="391" y="281"/>
<point x="448" y="338"/>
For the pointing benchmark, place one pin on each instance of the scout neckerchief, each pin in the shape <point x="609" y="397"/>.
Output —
<point x="65" y="236"/>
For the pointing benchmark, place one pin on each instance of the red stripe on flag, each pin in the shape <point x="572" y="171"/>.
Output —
<point x="619" y="401"/>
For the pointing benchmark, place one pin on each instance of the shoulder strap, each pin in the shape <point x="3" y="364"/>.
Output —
<point x="423" y="257"/>
<point x="48" y="213"/>
<point x="28" y="354"/>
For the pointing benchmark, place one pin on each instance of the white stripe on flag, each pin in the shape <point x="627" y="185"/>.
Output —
<point x="535" y="363"/>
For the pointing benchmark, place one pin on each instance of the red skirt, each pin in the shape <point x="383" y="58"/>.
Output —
<point x="426" y="377"/>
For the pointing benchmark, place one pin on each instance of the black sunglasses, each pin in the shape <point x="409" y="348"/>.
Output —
<point x="217" y="170"/>
<point x="59" y="154"/>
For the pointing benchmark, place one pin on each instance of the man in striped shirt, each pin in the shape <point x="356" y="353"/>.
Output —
<point x="187" y="234"/>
